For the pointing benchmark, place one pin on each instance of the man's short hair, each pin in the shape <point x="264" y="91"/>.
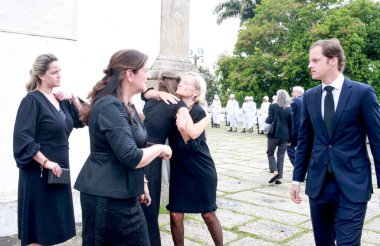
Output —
<point x="331" y="48"/>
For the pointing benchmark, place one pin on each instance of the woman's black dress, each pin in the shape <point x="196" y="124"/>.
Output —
<point x="193" y="177"/>
<point x="159" y="122"/>
<point x="45" y="212"/>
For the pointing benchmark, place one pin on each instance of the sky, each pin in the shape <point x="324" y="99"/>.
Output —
<point x="205" y="33"/>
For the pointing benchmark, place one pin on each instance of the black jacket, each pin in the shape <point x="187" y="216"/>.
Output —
<point x="282" y="127"/>
<point x="110" y="170"/>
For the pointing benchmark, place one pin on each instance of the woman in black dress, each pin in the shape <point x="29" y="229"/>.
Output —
<point x="160" y="120"/>
<point x="280" y="114"/>
<point x="112" y="179"/>
<point x="193" y="177"/>
<point x="40" y="143"/>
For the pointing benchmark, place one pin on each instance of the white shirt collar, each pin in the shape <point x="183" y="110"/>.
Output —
<point x="337" y="83"/>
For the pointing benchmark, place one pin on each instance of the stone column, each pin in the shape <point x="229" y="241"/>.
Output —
<point x="174" y="38"/>
<point x="174" y="47"/>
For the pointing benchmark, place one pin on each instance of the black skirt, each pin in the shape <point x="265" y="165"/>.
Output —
<point x="110" y="221"/>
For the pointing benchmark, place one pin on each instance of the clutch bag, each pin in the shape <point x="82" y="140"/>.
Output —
<point x="64" y="179"/>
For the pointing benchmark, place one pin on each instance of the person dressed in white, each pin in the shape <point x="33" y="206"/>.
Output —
<point x="232" y="109"/>
<point x="216" y="109"/>
<point x="252" y="114"/>
<point x="246" y="112"/>
<point x="263" y="113"/>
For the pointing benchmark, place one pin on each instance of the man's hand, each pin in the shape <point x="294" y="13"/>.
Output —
<point x="295" y="194"/>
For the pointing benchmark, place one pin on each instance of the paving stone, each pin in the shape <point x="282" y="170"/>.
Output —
<point x="164" y="219"/>
<point x="197" y="231"/>
<point x="371" y="237"/>
<point x="166" y="240"/>
<point x="251" y="241"/>
<point x="220" y="170"/>
<point x="305" y="239"/>
<point x="270" y="230"/>
<point x="307" y="225"/>
<point x="264" y="212"/>
<point x="226" y="218"/>
<point x="235" y="185"/>
<point x="223" y="176"/>
<point x="274" y="200"/>
<point x="374" y="225"/>
<point x="235" y="167"/>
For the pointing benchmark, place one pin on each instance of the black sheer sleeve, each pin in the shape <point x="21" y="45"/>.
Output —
<point x="143" y="94"/>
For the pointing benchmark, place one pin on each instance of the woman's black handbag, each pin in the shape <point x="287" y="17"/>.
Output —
<point x="271" y="127"/>
<point x="64" y="179"/>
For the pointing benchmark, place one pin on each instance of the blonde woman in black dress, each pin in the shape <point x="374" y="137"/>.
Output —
<point x="193" y="177"/>
<point x="40" y="143"/>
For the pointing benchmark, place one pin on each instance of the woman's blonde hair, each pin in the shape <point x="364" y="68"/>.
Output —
<point x="40" y="66"/>
<point x="200" y="84"/>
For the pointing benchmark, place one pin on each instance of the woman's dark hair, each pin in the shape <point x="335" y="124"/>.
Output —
<point x="40" y="66"/>
<point x="168" y="81"/>
<point x="332" y="48"/>
<point x="110" y="84"/>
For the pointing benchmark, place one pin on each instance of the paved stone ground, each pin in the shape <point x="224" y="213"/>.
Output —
<point x="251" y="211"/>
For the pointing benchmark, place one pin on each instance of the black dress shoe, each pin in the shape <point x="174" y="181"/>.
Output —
<point x="278" y="182"/>
<point x="274" y="178"/>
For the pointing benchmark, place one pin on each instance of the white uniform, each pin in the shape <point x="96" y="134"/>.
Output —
<point x="216" y="109"/>
<point x="263" y="115"/>
<point x="252" y="114"/>
<point x="246" y="113"/>
<point x="232" y="109"/>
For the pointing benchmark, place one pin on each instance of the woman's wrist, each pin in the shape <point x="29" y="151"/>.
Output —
<point x="44" y="162"/>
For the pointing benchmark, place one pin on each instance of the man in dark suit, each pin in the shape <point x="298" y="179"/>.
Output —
<point x="296" y="105"/>
<point x="336" y="117"/>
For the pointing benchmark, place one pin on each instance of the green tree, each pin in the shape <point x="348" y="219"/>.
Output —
<point x="211" y="83"/>
<point x="272" y="49"/>
<point x="243" y="9"/>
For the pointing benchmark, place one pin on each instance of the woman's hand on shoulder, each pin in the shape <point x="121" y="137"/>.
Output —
<point x="168" y="98"/>
<point x="64" y="95"/>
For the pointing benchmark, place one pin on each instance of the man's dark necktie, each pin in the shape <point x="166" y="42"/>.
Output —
<point x="329" y="111"/>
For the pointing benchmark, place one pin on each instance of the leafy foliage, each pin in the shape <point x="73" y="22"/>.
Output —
<point x="272" y="49"/>
<point x="243" y="9"/>
<point x="211" y="82"/>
